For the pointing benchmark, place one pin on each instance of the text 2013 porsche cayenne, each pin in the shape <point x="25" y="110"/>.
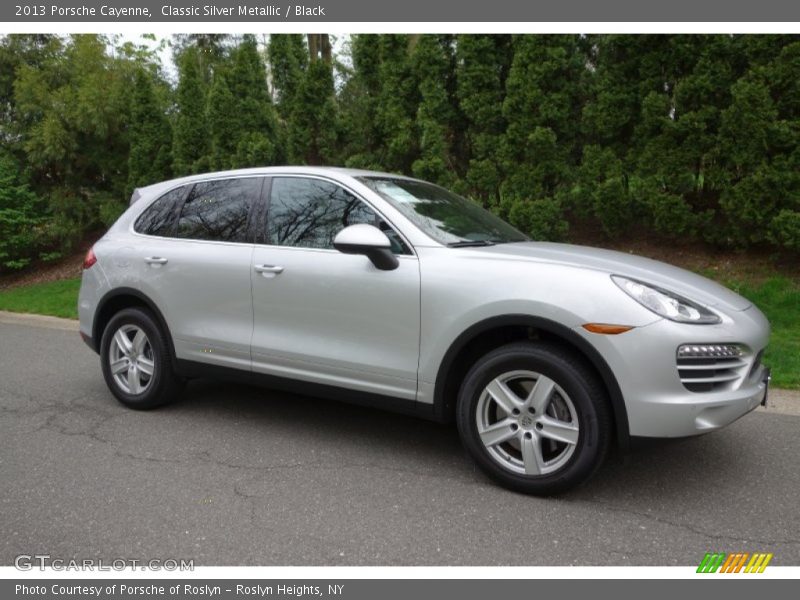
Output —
<point x="372" y="287"/>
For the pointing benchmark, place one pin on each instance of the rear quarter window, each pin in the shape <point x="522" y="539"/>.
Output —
<point x="219" y="210"/>
<point x="161" y="216"/>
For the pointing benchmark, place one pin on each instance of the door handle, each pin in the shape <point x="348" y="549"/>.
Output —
<point x="268" y="269"/>
<point x="155" y="260"/>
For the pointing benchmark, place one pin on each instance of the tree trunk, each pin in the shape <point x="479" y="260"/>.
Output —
<point x="325" y="47"/>
<point x="313" y="46"/>
<point x="319" y="46"/>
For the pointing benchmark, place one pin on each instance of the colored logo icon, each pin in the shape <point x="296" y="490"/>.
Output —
<point x="737" y="562"/>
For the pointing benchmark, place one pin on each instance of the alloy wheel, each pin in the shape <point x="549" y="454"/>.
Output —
<point x="131" y="360"/>
<point x="527" y="423"/>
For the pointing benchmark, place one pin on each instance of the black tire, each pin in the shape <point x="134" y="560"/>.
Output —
<point x="164" y="386"/>
<point x="586" y="394"/>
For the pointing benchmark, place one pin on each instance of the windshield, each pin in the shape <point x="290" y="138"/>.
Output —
<point x="446" y="217"/>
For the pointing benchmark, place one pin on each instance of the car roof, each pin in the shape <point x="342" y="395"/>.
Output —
<point x="299" y="170"/>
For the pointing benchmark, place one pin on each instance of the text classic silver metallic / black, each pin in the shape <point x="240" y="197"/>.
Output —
<point x="371" y="287"/>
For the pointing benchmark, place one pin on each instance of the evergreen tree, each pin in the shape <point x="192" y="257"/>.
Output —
<point x="437" y="115"/>
<point x="150" y="136"/>
<point x="677" y="135"/>
<point x="759" y="152"/>
<point x="358" y="104"/>
<point x="629" y="112"/>
<point x="483" y="64"/>
<point x="223" y="124"/>
<point x="190" y="149"/>
<point x="312" y="133"/>
<point x="748" y="125"/>
<point x="252" y="126"/>
<point x="288" y="59"/>
<point x="397" y="104"/>
<point x="783" y="75"/>
<point x="682" y="136"/>
<point x="620" y="75"/>
<point x="542" y="108"/>
<point x="210" y="50"/>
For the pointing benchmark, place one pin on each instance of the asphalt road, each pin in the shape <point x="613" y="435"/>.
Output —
<point x="234" y="475"/>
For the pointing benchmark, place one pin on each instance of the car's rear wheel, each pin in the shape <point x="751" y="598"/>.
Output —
<point x="534" y="417"/>
<point x="136" y="361"/>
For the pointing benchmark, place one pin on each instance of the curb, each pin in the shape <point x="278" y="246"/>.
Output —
<point x="12" y="318"/>
<point x="785" y="402"/>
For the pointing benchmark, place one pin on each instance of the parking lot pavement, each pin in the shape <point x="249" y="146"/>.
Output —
<point x="240" y="475"/>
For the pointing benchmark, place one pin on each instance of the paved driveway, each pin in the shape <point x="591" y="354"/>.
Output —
<point x="240" y="475"/>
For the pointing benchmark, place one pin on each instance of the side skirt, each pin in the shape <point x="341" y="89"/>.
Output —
<point x="197" y="370"/>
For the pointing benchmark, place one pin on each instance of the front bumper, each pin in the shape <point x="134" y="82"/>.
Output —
<point x="657" y="402"/>
<point x="701" y="413"/>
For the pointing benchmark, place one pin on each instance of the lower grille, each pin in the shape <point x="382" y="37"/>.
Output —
<point x="712" y="367"/>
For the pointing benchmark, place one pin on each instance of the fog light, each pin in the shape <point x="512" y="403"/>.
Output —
<point x="710" y="351"/>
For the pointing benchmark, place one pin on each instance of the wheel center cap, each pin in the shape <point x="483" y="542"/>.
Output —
<point x="526" y="421"/>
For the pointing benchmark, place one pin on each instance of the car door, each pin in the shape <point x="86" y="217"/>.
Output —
<point x="327" y="317"/>
<point x="197" y="270"/>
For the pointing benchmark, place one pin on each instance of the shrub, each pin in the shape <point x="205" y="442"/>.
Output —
<point x="20" y="217"/>
<point x="785" y="229"/>
<point x="541" y="218"/>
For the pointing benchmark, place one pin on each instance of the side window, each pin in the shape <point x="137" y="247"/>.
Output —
<point x="308" y="213"/>
<point x="159" y="218"/>
<point x="218" y="210"/>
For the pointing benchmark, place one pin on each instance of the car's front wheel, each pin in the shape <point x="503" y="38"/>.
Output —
<point x="534" y="417"/>
<point x="136" y="361"/>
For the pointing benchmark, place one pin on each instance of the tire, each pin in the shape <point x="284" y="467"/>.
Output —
<point x="560" y="433"/>
<point x="140" y="390"/>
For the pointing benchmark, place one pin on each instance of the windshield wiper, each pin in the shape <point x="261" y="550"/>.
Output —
<point x="470" y="243"/>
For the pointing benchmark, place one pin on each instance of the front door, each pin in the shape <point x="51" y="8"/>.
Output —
<point x="327" y="317"/>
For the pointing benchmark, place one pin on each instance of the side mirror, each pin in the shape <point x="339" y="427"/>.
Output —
<point x="369" y="241"/>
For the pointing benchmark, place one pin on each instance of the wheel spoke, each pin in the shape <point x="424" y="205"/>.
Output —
<point x="133" y="380"/>
<point x="146" y="365"/>
<point x="560" y="431"/>
<point x="532" y="455"/>
<point x="139" y="341"/>
<point x="541" y="394"/>
<point x="527" y="423"/>
<point x="499" y="432"/>
<point x="123" y="343"/>
<point x="500" y="393"/>
<point x="119" y="365"/>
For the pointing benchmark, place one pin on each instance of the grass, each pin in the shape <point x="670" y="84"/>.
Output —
<point x="777" y="296"/>
<point x="56" y="298"/>
<point x="779" y="299"/>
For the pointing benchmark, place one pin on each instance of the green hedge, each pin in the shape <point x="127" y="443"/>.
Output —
<point x="692" y="137"/>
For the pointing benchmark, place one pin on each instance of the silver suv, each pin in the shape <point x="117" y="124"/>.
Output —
<point x="378" y="288"/>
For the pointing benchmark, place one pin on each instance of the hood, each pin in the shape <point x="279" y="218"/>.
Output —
<point x="680" y="281"/>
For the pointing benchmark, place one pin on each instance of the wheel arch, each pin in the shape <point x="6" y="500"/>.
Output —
<point x="121" y="298"/>
<point x="495" y="331"/>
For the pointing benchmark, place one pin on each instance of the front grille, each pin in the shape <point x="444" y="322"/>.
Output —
<point x="712" y="367"/>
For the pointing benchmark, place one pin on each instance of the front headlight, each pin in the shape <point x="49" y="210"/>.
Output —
<point x="666" y="304"/>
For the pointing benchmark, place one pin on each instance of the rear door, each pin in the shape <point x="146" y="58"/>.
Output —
<point x="328" y="317"/>
<point x="196" y="266"/>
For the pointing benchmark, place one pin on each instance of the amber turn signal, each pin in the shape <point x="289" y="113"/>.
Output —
<point x="606" y="329"/>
